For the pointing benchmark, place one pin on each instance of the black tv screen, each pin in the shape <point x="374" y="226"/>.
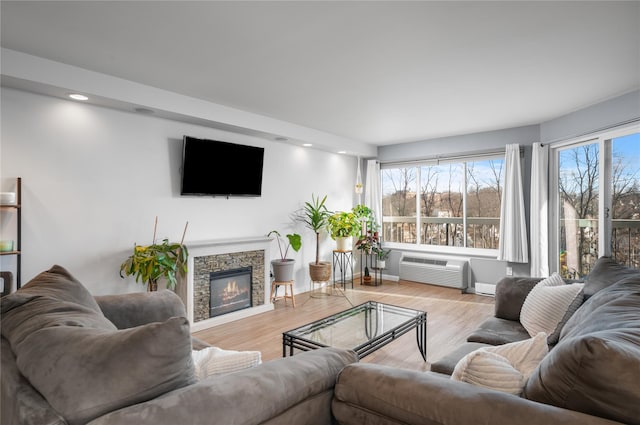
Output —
<point x="215" y="168"/>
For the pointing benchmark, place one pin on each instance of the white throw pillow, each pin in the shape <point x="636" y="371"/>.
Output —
<point x="212" y="361"/>
<point x="549" y="305"/>
<point x="503" y="368"/>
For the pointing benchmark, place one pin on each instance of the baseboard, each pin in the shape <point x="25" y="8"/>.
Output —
<point x="390" y="277"/>
<point x="488" y="289"/>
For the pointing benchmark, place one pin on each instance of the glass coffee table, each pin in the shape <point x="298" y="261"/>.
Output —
<point x="363" y="328"/>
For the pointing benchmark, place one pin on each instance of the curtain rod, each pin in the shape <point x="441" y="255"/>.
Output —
<point x="453" y="157"/>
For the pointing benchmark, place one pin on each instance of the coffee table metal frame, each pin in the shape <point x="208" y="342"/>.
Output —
<point x="416" y="319"/>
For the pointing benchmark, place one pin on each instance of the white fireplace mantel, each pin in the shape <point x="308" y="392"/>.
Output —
<point x="224" y="246"/>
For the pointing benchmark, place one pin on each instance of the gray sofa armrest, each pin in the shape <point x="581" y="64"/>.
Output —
<point x="131" y="310"/>
<point x="251" y="396"/>
<point x="375" y="394"/>
<point x="510" y="295"/>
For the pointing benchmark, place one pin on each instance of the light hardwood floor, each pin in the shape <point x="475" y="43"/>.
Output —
<point x="451" y="317"/>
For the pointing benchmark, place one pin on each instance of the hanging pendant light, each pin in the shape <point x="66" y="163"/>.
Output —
<point x="358" y="187"/>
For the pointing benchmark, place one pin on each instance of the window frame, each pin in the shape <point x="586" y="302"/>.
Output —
<point x="605" y="160"/>
<point x="441" y="160"/>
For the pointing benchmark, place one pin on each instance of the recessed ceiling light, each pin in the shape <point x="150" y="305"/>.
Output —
<point x="342" y="152"/>
<point x="307" y="145"/>
<point x="77" y="96"/>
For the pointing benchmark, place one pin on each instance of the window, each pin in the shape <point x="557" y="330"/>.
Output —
<point x="597" y="201"/>
<point x="625" y="202"/>
<point x="454" y="203"/>
<point x="578" y="185"/>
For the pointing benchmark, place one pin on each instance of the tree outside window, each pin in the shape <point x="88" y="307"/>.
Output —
<point x="440" y="192"/>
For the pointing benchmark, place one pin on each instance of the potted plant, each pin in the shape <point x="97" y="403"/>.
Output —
<point x="283" y="267"/>
<point x="315" y="215"/>
<point x="366" y="279"/>
<point x="383" y="255"/>
<point x="343" y="226"/>
<point x="366" y="217"/>
<point x="368" y="243"/>
<point x="148" y="263"/>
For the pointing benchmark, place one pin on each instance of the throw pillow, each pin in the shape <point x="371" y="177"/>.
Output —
<point x="549" y="305"/>
<point x="52" y="298"/>
<point x="85" y="373"/>
<point x="505" y="368"/>
<point x="213" y="361"/>
<point x="606" y="271"/>
<point x="78" y="360"/>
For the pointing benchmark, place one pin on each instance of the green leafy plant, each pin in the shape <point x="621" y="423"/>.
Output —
<point x="316" y="217"/>
<point x="293" y="241"/>
<point x="151" y="262"/>
<point x="343" y="224"/>
<point x="368" y="243"/>
<point x="148" y="263"/>
<point x="364" y="213"/>
<point x="383" y="254"/>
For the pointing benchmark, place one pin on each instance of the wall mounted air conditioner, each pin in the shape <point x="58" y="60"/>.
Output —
<point x="434" y="270"/>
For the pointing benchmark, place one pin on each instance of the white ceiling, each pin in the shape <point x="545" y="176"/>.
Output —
<point x="378" y="72"/>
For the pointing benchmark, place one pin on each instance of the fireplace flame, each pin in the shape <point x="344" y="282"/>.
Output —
<point x="232" y="289"/>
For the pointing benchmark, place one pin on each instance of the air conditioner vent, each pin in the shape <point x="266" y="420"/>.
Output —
<point x="425" y="261"/>
<point x="437" y="271"/>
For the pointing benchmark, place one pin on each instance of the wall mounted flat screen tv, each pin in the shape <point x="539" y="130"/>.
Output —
<point x="215" y="168"/>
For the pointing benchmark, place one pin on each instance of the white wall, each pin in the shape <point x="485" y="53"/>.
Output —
<point x="94" y="179"/>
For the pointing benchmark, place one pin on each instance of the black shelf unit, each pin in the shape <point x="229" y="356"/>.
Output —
<point x="17" y="209"/>
<point x="343" y="261"/>
<point x="370" y="261"/>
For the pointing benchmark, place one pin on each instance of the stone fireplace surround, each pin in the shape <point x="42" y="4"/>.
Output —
<point x="225" y="254"/>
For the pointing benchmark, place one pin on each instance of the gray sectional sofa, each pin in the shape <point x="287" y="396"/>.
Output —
<point x="70" y="358"/>
<point x="591" y="376"/>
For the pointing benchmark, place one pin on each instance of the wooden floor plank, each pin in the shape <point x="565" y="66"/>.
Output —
<point x="451" y="317"/>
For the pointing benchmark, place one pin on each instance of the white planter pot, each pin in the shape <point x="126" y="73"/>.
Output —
<point x="382" y="264"/>
<point x="344" y="244"/>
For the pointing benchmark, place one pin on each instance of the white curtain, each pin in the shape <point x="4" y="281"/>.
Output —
<point x="513" y="225"/>
<point x="539" y="228"/>
<point x="372" y="195"/>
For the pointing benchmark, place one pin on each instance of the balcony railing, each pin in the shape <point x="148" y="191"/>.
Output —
<point x="625" y="244"/>
<point x="484" y="232"/>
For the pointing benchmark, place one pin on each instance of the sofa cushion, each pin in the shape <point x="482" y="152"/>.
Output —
<point x="448" y="363"/>
<point x="52" y="298"/>
<point x="595" y="368"/>
<point x="510" y="295"/>
<point x="77" y="359"/>
<point x="611" y="308"/>
<point x="495" y="331"/>
<point x="88" y="372"/>
<point x="549" y="305"/>
<point x="503" y="368"/>
<point x="606" y="271"/>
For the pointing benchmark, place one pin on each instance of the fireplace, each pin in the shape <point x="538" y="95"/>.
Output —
<point x="230" y="290"/>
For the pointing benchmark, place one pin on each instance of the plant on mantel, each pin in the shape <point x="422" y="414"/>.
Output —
<point x="149" y="263"/>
